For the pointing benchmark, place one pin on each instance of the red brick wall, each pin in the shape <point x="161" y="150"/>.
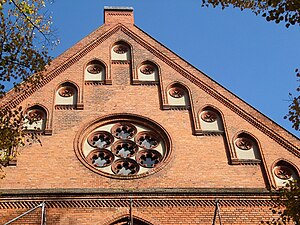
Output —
<point x="196" y="161"/>
<point x="158" y="215"/>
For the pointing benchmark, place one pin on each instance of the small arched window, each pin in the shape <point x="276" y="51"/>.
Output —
<point x="66" y="96"/>
<point x="210" y="120"/>
<point x="178" y="96"/>
<point x="246" y="148"/>
<point x="35" y="119"/>
<point x="120" y="51"/>
<point x="147" y="72"/>
<point x="94" y="71"/>
<point x="284" y="172"/>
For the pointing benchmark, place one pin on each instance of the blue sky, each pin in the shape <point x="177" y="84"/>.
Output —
<point x="249" y="56"/>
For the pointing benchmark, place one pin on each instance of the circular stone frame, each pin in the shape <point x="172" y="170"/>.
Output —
<point x="88" y="128"/>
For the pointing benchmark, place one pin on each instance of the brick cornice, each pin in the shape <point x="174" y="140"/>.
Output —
<point x="83" y="198"/>
<point x="129" y="192"/>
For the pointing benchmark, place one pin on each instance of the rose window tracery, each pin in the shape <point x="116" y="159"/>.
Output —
<point x="100" y="157"/>
<point x="94" y="68"/>
<point x="209" y="116"/>
<point x="125" y="167"/>
<point x="66" y="91"/>
<point x="35" y="115"/>
<point x="123" y="130"/>
<point x="100" y="139"/>
<point x="124" y="149"/>
<point x="147" y="69"/>
<point x="147" y="140"/>
<point x="120" y="49"/>
<point x="283" y="172"/>
<point x="149" y="158"/>
<point x="244" y="143"/>
<point x="176" y="92"/>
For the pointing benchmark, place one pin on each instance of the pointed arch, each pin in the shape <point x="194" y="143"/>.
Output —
<point x="211" y="120"/>
<point x="147" y="72"/>
<point x="246" y="147"/>
<point x="246" y="150"/>
<point x="178" y="95"/>
<point x="283" y="170"/>
<point x="36" y="117"/>
<point x="46" y="126"/>
<point x="38" y="105"/>
<point x="67" y="95"/>
<point x="121" y="51"/>
<point x="124" y="219"/>
<point x="95" y="71"/>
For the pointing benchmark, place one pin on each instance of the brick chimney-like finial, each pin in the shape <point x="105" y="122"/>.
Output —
<point x="117" y="14"/>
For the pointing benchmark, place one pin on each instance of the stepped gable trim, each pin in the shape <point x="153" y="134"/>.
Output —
<point x="60" y="68"/>
<point x="217" y="95"/>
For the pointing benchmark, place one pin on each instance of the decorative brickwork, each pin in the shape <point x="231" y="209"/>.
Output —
<point x="157" y="141"/>
<point x="123" y="147"/>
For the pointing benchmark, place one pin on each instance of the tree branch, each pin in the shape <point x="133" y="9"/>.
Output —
<point x="36" y="27"/>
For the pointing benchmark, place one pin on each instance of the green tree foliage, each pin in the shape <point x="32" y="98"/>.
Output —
<point x="24" y="42"/>
<point x="287" y="11"/>
<point x="287" y="201"/>
<point x="294" y="108"/>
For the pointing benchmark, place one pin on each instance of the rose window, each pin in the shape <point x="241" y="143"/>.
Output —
<point x="176" y="92"/>
<point x="94" y="68"/>
<point x="283" y="172"/>
<point x="125" y="167"/>
<point x="100" y="139"/>
<point x="147" y="69"/>
<point x="66" y="91"/>
<point x="124" y="148"/>
<point x="209" y="116"/>
<point x="120" y="49"/>
<point x="100" y="158"/>
<point x="244" y="143"/>
<point x="35" y="115"/>
<point x="147" y="140"/>
<point x="123" y="130"/>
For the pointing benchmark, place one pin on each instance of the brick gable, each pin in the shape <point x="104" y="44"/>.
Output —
<point x="203" y="162"/>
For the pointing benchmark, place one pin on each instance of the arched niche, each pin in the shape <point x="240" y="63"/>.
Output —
<point x="283" y="172"/>
<point x="126" y="221"/>
<point x="210" y="120"/>
<point x="178" y="95"/>
<point x="148" y="72"/>
<point x="246" y="147"/>
<point x="66" y="96"/>
<point x="35" y="118"/>
<point x="95" y="71"/>
<point x="120" y="51"/>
